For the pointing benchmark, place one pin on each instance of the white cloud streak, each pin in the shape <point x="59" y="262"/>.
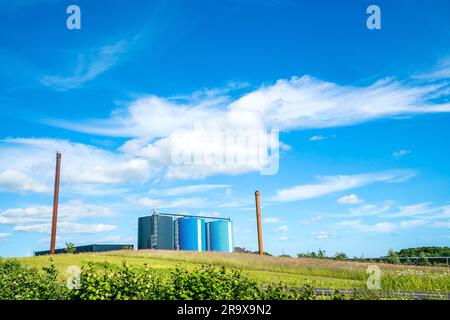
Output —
<point x="88" y="67"/>
<point x="350" y="199"/>
<point x="330" y="184"/>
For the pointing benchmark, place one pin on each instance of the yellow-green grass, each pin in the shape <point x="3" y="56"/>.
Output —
<point x="323" y="273"/>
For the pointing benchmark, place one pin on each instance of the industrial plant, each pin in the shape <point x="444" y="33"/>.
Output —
<point x="166" y="231"/>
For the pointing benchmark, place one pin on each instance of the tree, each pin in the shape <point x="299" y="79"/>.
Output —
<point x="341" y="256"/>
<point x="392" y="257"/>
<point x="70" y="248"/>
<point x="423" y="259"/>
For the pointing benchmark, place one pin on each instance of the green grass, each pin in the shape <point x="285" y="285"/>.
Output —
<point x="321" y="273"/>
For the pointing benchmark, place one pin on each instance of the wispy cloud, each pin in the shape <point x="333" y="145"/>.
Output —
<point x="380" y="227"/>
<point x="317" y="138"/>
<point x="323" y="235"/>
<point x="88" y="67"/>
<point x="66" y="227"/>
<point x="4" y="235"/>
<point x="27" y="165"/>
<point x="283" y="228"/>
<point x="189" y="189"/>
<point x="270" y="220"/>
<point x="401" y="153"/>
<point x="312" y="220"/>
<point x="197" y="124"/>
<point x="349" y="199"/>
<point x="289" y="104"/>
<point x="330" y="184"/>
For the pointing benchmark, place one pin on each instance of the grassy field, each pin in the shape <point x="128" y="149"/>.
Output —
<point x="320" y="273"/>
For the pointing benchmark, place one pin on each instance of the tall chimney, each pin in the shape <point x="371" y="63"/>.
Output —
<point x="55" y="203"/>
<point x="258" y="221"/>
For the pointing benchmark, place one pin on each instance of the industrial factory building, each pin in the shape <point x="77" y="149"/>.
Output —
<point x="183" y="232"/>
<point x="89" y="248"/>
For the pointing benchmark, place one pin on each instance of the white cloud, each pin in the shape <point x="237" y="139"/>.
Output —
<point x="193" y="202"/>
<point x="28" y="165"/>
<point x="196" y="124"/>
<point x="323" y="235"/>
<point x="369" y="210"/>
<point x="4" y="235"/>
<point x="38" y="218"/>
<point x="115" y="239"/>
<point x="401" y="153"/>
<point x="293" y="104"/>
<point x="304" y="103"/>
<point x="198" y="188"/>
<point x="16" y="181"/>
<point x="283" y="228"/>
<point x="381" y="227"/>
<point x="442" y="225"/>
<point x="88" y="67"/>
<point x="330" y="184"/>
<point x="317" y="138"/>
<point x="440" y="72"/>
<point x="66" y="227"/>
<point x="312" y="220"/>
<point x="271" y="220"/>
<point x="350" y="199"/>
<point x="283" y="239"/>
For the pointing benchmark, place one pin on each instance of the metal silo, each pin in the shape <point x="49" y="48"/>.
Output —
<point x="165" y="233"/>
<point x="144" y="232"/>
<point x="192" y="235"/>
<point x="219" y="236"/>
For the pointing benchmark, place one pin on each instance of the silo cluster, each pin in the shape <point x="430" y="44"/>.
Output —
<point x="181" y="232"/>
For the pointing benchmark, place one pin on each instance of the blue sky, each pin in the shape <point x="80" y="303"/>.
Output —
<point x="363" y="119"/>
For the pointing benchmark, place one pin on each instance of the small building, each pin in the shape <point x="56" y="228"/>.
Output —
<point x="89" y="248"/>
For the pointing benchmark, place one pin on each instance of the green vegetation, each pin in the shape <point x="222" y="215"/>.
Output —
<point x="320" y="254"/>
<point x="392" y="257"/>
<point x="427" y="251"/>
<point x="340" y="256"/>
<point x="109" y="282"/>
<point x="264" y="270"/>
<point x="70" y="248"/>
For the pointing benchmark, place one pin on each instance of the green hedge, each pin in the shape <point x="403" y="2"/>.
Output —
<point x="110" y="282"/>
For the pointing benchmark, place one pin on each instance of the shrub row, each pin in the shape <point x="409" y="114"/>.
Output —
<point x="110" y="282"/>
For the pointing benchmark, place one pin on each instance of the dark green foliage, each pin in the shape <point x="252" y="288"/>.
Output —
<point x="392" y="257"/>
<point x="110" y="283"/>
<point x="70" y="248"/>
<point x="428" y="251"/>
<point x="423" y="260"/>
<point x="320" y="254"/>
<point x="341" y="256"/>
<point x="21" y="283"/>
<point x="103" y="281"/>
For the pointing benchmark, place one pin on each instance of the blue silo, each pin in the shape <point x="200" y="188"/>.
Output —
<point x="192" y="235"/>
<point x="219" y="236"/>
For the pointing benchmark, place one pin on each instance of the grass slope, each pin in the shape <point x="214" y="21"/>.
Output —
<point x="320" y="273"/>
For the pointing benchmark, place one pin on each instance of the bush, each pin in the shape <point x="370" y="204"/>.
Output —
<point x="21" y="283"/>
<point x="70" y="248"/>
<point x="319" y="255"/>
<point x="341" y="256"/>
<point x="392" y="257"/>
<point x="104" y="281"/>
